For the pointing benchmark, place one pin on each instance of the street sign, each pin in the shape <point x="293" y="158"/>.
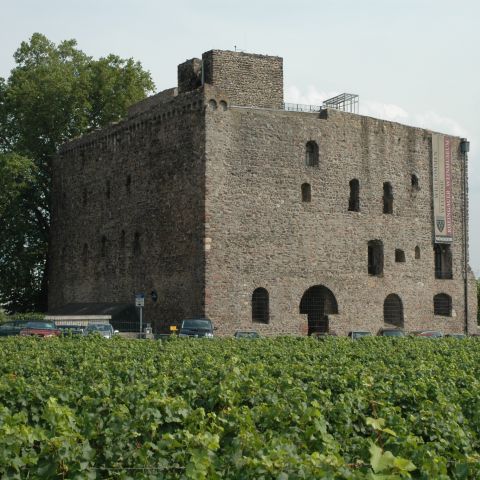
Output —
<point x="139" y="300"/>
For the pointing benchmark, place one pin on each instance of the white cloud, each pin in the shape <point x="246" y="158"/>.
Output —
<point x="386" y="111"/>
<point x="435" y="121"/>
<point x="311" y="97"/>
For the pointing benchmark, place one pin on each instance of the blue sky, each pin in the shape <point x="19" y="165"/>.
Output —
<point x="415" y="62"/>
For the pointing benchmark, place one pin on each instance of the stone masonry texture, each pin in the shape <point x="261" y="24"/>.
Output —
<point x="197" y="195"/>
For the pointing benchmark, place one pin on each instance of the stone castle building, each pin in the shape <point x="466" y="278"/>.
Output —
<point x="215" y="200"/>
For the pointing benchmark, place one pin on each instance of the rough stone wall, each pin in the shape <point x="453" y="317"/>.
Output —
<point x="247" y="79"/>
<point x="189" y="75"/>
<point x="472" y="303"/>
<point x="152" y="101"/>
<point x="261" y="234"/>
<point x="143" y="177"/>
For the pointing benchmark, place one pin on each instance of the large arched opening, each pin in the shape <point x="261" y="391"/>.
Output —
<point x="393" y="311"/>
<point x="317" y="303"/>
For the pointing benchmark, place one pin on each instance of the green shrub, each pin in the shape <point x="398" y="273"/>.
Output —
<point x="27" y="316"/>
<point x="285" y="408"/>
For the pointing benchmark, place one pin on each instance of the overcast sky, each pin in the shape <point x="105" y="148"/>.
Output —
<point x="412" y="61"/>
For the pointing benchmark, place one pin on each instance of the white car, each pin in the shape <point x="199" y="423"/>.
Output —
<point x="103" y="329"/>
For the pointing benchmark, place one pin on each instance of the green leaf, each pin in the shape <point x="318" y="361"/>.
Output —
<point x="375" y="423"/>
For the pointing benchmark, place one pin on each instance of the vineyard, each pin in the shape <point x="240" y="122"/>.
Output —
<point x="285" y="408"/>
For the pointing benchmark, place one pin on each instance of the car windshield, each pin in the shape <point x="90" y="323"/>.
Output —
<point x="99" y="328"/>
<point x="40" y="325"/>
<point x="360" y="334"/>
<point x="247" y="335"/>
<point x="393" y="333"/>
<point x="197" y="324"/>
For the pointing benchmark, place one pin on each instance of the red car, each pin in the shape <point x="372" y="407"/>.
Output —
<point x="40" y="329"/>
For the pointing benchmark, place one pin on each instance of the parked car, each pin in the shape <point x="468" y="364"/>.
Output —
<point x="103" y="329"/>
<point x="40" y="329"/>
<point x="456" y="335"/>
<point x="196" y="327"/>
<point x="71" y="329"/>
<point x="13" y="327"/>
<point x="355" y="335"/>
<point x="428" y="334"/>
<point x="246" y="334"/>
<point x="391" y="332"/>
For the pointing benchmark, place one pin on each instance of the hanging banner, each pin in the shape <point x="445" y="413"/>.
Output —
<point x="442" y="188"/>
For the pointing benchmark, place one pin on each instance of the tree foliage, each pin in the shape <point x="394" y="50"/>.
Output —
<point x="54" y="93"/>
<point x="23" y="244"/>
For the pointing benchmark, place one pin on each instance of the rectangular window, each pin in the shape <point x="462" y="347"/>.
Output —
<point x="375" y="257"/>
<point x="443" y="261"/>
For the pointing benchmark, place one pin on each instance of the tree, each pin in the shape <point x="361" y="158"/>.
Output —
<point x="22" y="244"/>
<point x="54" y="93"/>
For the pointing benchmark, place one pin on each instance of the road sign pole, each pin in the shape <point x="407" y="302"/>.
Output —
<point x="140" y="303"/>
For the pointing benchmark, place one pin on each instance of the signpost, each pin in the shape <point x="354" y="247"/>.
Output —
<point x="140" y="303"/>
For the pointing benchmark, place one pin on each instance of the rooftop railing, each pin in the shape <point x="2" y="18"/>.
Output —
<point x="299" y="107"/>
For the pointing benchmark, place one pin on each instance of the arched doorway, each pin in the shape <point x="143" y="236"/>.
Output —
<point x="393" y="311"/>
<point x="317" y="303"/>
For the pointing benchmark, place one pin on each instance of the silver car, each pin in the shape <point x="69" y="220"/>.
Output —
<point x="103" y="329"/>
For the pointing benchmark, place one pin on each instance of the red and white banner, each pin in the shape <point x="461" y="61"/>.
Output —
<point x="442" y="188"/>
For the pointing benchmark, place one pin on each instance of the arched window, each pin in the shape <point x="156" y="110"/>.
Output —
<point x="311" y="154"/>
<point x="107" y="189"/>
<point x="393" y="311"/>
<point x="122" y="239"/>
<point x="375" y="257"/>
<point x="415" y="184"/>
<point x="306" y="192"/>
<point x="417" y="253"/>
<point x="128" y="183"/>
<point x="387" y="198"/>
<point x="84" y="197"/>
<point x="399" y="256"/>
<point x="354" y="199"/>
<point x="442" y="305"/>
<point x="260" y="306"/>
